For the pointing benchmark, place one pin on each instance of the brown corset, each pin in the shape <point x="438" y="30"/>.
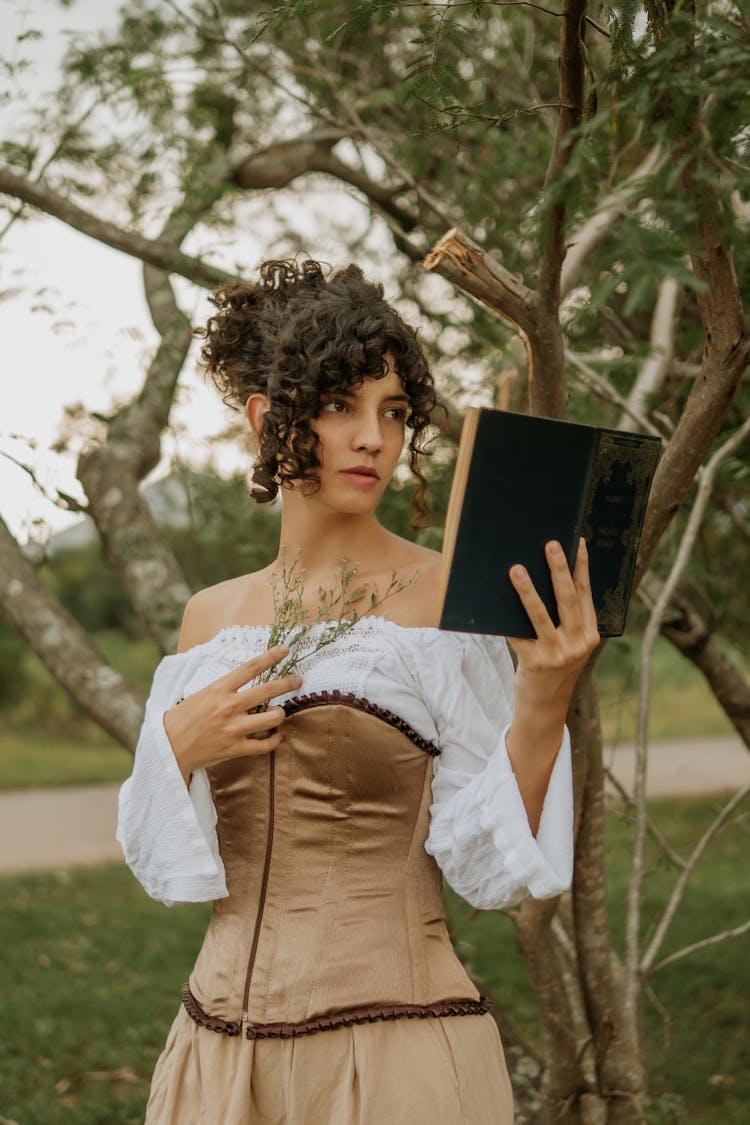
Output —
<point x="335" y="912"/>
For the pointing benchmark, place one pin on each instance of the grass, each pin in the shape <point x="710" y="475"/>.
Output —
<point x="696" y="1016"/>
<point x="92" y="970"/>
<point x="91" y="973"/>
<point x="697" y="1022"/>
<point x="682" y="704"/>
<point x="45" y="741"/>
<point x="32" y="758"/>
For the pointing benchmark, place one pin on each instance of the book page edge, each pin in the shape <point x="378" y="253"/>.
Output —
<point x="455" y="499"/>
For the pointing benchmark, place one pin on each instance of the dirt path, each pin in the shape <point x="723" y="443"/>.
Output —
<point x="44" y="828"/>
<point x="49" y="828"/>
<point x="686" y="767"/>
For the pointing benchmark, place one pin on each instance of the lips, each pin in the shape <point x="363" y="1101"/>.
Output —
<point x="362" y="475"/>
<point x="362" y="471"/>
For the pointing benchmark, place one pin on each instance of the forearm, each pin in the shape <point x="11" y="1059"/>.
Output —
<point x="546" y="672"/>
<point x="533" y="740"/>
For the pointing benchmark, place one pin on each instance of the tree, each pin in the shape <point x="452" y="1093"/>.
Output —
<point x="579" y="176"/>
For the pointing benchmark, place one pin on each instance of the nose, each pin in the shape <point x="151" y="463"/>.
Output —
<point x="368" y="434"/>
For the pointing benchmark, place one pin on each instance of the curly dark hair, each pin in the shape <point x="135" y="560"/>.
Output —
<point x="299" y="338"/>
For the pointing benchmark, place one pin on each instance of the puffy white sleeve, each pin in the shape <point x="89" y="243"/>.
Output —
<point x="167" y="832"/>
<point x="479" y="832"/>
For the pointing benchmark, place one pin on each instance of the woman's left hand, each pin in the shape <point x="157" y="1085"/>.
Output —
<point x="549" y="665"/>
<point x="547" y="670"/>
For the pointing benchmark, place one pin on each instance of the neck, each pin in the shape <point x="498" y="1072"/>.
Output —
<point x="324" y="538"/>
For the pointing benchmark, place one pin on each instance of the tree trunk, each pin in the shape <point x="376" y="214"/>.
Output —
<point x="616" y="1041"/>
<point x="562" y="1074"/>
<point x="691" y="635"/>
<point x="111" y="474"/>
<point x="64" y="647"/>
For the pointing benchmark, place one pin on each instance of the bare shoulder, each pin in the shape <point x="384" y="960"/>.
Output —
<point x="215" y="607"/>
<point x="416" y="605"/>
<point x="402" y="553"/>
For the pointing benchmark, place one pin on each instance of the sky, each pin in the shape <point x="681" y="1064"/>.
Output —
<point x="73" y="318"/>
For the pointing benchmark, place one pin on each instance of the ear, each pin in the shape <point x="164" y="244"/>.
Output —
<point x="256" y="406"/>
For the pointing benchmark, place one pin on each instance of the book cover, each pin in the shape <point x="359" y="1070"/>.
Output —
<point x="521" y="480"/>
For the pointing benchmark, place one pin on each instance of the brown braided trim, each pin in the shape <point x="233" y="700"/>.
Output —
<point x="348" y="699"/>
<point x="214" y="1023"/>
<point x="366" y="1013"/>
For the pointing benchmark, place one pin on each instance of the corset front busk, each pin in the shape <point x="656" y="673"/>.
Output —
<point x="334" y="913"/>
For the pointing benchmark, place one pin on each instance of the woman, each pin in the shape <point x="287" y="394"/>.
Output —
<point x="316" y="809"/>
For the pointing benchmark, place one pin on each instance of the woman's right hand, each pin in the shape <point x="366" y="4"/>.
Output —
<point x="221" y="721"/>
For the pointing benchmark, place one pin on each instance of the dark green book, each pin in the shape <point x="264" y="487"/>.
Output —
<point x="521" y="480"/>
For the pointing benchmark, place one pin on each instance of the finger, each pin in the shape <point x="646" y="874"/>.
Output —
<point x="259" y="722"/>
<point x="241" y="675"/>
<point x="252" y="697"/>
<point x="261" y="744"/>
<point x="566" y="595"/>
<point x="582" y="580"/>
<point x="532" y="603"/>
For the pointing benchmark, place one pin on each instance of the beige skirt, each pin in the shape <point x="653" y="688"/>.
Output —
<point x="436" y="1071"/>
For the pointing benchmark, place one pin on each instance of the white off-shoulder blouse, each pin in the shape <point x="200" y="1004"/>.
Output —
<point x="455" y="689"/>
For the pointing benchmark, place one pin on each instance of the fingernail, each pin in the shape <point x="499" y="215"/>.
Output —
<point x="282" y="649"/>
<point x="554" y="547"/>
<point x="581" y="544"/>
<point x="518" y="571"/>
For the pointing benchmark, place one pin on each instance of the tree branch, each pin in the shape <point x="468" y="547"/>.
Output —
<point x="68" y="132"/>
<point x="456" y="257"/>
<point x="685" y="629"/>
<point x="705" y="943"/>
<point x="605" y="390"/>
<point x="653" y="372"/>
<point x="661" y="841"/>
<point x="64" y="647"/>
<point x="396" y="166"/>
<point x="155" y="252"/>
<point x="67" y="503"/>
<point x="275" y="166"/>
<point x="571" y="108"/>
<point x="591" y="233"/>
<point x="632" y="924"/>
<point x="679" y="888"/>
<point x="570" y="975"/>
<point x="466" y="265"/>
<point x="547" y="391"/>
<point x="726" y="353"/>
<point x="682" y="370"/>
<point x="691" y="636"/>
<point x="735" y="515"/>
<point x="279" y="164"/>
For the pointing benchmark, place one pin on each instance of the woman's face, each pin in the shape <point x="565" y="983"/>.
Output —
<point x="361" y="435"/>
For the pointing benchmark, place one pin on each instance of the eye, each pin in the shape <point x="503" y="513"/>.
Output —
<point x="334" y="406"/>
<point x="397" y="413"/>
